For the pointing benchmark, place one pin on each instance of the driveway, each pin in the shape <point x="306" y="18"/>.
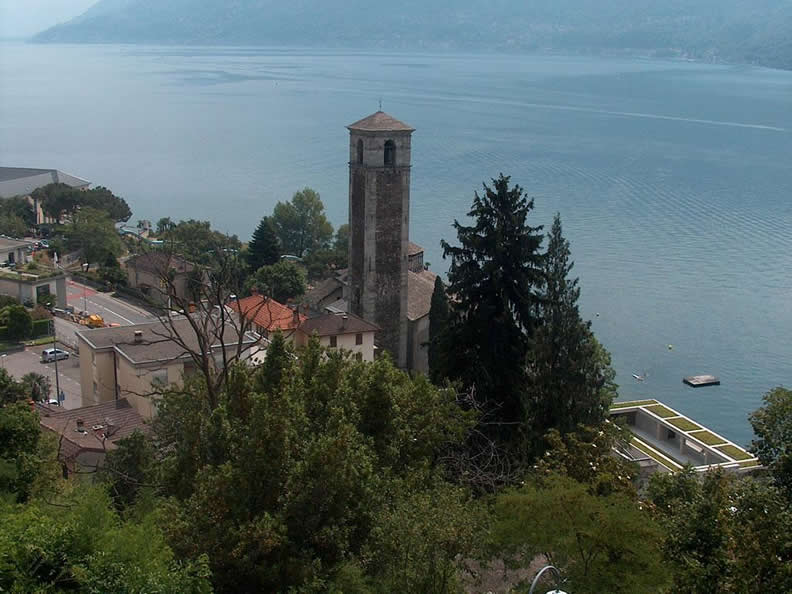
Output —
<point x="18" y="364"/>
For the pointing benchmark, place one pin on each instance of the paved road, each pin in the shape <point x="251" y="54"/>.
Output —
<point x="112" y="310"/>
<point x="18" y="364"/>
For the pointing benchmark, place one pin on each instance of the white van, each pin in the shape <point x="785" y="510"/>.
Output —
<point x="48" y="355"/>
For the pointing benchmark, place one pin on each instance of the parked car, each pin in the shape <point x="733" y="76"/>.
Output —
<point x="49" y="355"/>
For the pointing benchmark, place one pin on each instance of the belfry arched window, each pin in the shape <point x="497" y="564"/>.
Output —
<point x="360" y="151"/>
<point x="390" y="153"/>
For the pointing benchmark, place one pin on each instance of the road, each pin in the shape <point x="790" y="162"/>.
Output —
<point x="112" y="310"/>
<point x="18" y="364"/>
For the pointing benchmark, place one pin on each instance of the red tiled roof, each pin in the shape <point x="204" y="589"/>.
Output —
<point x="267" y="313"/>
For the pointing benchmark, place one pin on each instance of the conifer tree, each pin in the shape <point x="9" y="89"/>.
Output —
<point x="263" y="249"/>
<point x="496" y="277"/>
<point x="570" y="378"/>
<point x="438" y="322"/>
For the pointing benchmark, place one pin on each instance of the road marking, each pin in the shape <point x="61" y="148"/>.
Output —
<point x="127" y="320"/>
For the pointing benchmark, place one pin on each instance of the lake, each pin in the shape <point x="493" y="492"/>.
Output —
<point x="673" y="179"/>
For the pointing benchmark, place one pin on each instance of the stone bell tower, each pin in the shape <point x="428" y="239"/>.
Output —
<point x="379" y="221"/>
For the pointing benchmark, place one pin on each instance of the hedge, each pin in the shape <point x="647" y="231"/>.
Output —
<point x="40" y="328"/>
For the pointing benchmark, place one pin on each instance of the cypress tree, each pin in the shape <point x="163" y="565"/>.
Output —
<point x="438" y="322"/>
<point x="496" y="276"/>
<point x="263" y="249"/>
<point x="569" y="373"/>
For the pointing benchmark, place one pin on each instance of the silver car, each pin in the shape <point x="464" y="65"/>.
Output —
<point x="49" y="355"/>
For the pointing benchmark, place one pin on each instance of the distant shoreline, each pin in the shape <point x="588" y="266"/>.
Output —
<point x="657" y="55"/>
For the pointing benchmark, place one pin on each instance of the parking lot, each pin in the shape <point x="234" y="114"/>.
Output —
<point x="18" y="364"/>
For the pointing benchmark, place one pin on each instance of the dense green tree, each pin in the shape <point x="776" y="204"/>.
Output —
<point x="81" y="545"/>
<point x="92" y="233"/>
<point x="18" y="207"/>
<point x="198" y="242"/>
<point x="322" y="263"/>
<point x="570" y="380"/>
<point x="17" y="321"/>
<point x="100" y="198"/>
<point x="599" y="543"/>
<point x="58" y="199"/>
<point x="128" y="468"/>
<point x="301" y="224"/>
<point x="772" y="424"/>
<point x="438" y="324"/>
<point x="496" y="276"/>
<point x="723" y="534"/>
<point x="263" y="249"/>
<point x="297" y="475"/>
<point x="37" y="387"/>
<point x="26" y="458"/>
<point x="586" y="455"/>
<point x="164" y="225"/>
<point x="10" y="390"/>
<point x="12" y="225"/>
<point x="282" y="281"/>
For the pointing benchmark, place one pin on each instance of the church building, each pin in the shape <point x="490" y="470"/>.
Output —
<point x="386" y="283"/>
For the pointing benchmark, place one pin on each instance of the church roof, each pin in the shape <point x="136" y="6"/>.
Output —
<point x="420" y="286"/>
<point x="380" y="122"/>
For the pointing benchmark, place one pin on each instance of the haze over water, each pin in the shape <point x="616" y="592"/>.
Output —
<point x="673" y="179"/>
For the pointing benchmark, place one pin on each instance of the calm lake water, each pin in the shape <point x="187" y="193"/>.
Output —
<point x="674" y="180"/>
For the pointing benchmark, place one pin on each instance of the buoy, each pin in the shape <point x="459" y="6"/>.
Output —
<point x="670" y="347"/>
<point x="597" y="314"/>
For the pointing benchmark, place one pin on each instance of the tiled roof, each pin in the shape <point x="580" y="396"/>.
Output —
<point x="414" y="249"/>
<point x="156" y="343"/>
<point x="322" y="291"/>
<point x="380" y="122"/>
<point x="336" y="324"/>
<point x="420" y="286"/>
<point x="113" y="421"/>
<point x="160" y="263"/>
<point x="267" y="313"/>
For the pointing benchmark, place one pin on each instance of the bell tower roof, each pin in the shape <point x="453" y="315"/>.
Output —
<point x="380" y="122"/>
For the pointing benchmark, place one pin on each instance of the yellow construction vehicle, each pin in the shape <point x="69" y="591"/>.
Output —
<point x="92" y="321"/>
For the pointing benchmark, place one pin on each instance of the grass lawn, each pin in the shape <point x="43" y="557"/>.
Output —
<point x="683" y="424"/>
<point x="734" y="452"/>
<point x="749" y="463"/>
<point x="632" y="403"/>
<point x="40" y="341"/>
<point x="707" y="437"/>
<point x="662" y="411"/>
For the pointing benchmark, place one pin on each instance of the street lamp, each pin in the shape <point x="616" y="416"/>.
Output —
<point x="559" y="580"/>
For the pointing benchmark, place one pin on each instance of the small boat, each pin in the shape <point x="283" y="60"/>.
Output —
<point x="640" y="378"/>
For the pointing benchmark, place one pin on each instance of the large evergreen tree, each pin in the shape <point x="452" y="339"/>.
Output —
<point x="570" y="378"/>
<point x="263" y="249"/>
<point x="301" y="224"/>
<point x="496" y="275"/>
<point x="438" y="322"/>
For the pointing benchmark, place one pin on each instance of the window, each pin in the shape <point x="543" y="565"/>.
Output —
<point x="358" y="356"/>
<point x="360" y="151"/>
<point x="159" y="377"/>
<point x="390" y="153"/>
<point x="333" y="342"/>
<point x="359" y="338"/>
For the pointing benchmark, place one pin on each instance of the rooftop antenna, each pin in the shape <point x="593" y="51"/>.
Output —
<point x="380" y="104"/>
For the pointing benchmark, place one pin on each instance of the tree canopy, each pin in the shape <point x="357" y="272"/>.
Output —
<point x="93" y="233"/>
<point x="282" y="281"/>
<point x="772" y="423"/>
<point x="301" y="224"/>
<point x="263" y="249"/>
<point x="59" y="199"/>
<point x="496" y="276"/>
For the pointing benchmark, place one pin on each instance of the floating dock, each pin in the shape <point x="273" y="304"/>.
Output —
<point x="699" y="381"/>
